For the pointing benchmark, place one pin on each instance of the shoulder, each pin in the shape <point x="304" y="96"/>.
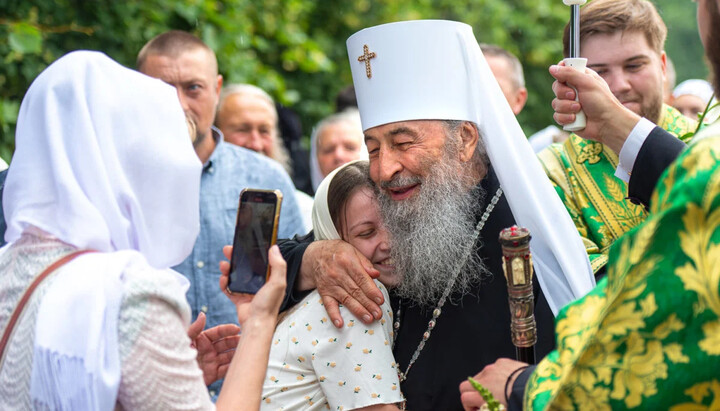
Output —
<point x="148" y="289"/>
<point x="380" y="327"/>
<point x="674" y="122"/>
<point x="555" y="160"/>
<point x="250" y="161"/>
<point x="694" y="177"/>
<point x="553" y="155"/>
<point x="559" y="154"/>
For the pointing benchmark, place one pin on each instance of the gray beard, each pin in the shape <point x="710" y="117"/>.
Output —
<point x="431" y="233"/>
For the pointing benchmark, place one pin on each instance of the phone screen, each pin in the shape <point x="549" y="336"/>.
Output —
<point x="255" y="233"/>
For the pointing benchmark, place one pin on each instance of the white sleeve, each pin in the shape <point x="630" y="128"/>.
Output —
<point x="631" y="148"/>
<point x="158" y="367"/>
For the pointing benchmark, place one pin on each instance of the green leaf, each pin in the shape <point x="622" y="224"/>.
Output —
<point x="25" y="38"/>
<point x="492" y="403"/>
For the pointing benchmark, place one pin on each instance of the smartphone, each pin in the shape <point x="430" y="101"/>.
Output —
<point x="255" y="232"/>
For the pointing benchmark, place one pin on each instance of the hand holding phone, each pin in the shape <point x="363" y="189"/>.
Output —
<point x="268" y="299"/>
<point x="255" y="232"/>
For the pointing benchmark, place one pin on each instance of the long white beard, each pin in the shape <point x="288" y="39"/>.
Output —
<point x="432" y="231"/>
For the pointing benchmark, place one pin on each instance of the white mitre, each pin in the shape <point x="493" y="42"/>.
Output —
<point x="434" y="70"/>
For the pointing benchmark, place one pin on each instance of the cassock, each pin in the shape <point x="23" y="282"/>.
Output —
<point x="472" y="331"/>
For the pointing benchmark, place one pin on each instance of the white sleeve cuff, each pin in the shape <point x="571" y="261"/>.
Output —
<point x="631" y="148"/>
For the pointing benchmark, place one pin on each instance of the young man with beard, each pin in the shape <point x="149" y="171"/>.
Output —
<point x="647" y="336"/>
<point x="623" y="41"/>
<point x="433" y="115"/>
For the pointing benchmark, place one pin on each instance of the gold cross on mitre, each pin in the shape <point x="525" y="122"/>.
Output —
<point x="367" y="55"/>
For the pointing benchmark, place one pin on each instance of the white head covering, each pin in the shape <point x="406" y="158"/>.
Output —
<point x="323" y="226"/>
<point x="694" y="87"/>
<point x="103" y="161"/>
<point x="110" y="166"/>
<point x="350" y="115"/>
<point x="434" y="70"/>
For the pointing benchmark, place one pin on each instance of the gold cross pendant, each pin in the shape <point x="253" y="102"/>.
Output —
<point x="367" y="55"/>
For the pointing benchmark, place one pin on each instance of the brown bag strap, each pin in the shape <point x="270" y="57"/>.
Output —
<point x="28" y="293"/>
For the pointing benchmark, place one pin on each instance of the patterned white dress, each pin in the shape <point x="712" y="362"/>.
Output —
<point x="158" y="366"/>
<point x="316" y="366"/>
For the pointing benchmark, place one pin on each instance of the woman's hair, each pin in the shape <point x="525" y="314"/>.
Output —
<point x="346" y="182"/>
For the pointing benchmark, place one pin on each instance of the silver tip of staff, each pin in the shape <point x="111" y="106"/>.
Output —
<point x="574" y="48"/>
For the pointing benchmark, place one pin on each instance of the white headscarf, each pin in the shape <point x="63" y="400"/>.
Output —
<point x="699" y="88"/>
<point x="323" y="226"/>
<point x="434" y="70"/>
<point x="103" y="161"/>
<point x="350" y="115"/>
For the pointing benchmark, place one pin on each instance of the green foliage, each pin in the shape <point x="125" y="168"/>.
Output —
<point x="683" y="44"/>
<point x="294" y="49"/>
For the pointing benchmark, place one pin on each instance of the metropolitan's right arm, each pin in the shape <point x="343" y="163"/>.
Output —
<point x="292" y="251"/>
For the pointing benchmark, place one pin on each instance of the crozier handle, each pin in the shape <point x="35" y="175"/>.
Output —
<point x="518" y="270"/>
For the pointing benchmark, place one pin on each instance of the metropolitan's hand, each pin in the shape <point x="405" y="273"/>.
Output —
<point x="266" y="303"/>
<point x="608" y="121"/>
<point x="494" y="377"/>
<point x="342" y="276"/>
<point x="215" y="347"/>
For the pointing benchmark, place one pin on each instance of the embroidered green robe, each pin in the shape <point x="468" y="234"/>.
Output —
<point x="583" y="174"/>
<point x="648" y="336"/>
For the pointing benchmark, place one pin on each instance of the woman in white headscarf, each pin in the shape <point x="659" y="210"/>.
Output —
<point x="313" y="363"/>
<point x="104" y="162"/>
<point x="692" y="96"/>
<point x="335" y="140"/>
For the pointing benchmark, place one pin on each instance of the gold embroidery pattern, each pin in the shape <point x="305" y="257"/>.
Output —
<point x="697" y="393"/>
<point x="590" y="152"/>
<point x="702" y="274"/>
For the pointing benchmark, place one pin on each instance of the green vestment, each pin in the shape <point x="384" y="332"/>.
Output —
<point x="648" y="336"/>
<point x="583" y="174"/>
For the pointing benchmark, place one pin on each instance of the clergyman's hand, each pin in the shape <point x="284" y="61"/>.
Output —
<point x="608" y="121"/>
<point x="215" y="347"/>
<point x="342" y="275"/>
<point x="494" y="377"/>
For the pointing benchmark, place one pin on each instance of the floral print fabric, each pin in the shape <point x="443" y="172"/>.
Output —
<point x="316" y="366"/>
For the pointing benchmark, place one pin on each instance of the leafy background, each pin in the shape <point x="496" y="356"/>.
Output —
<point x="294" y="49"/>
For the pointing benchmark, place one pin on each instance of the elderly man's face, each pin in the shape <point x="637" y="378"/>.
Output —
<point x="249" y="121"/>
<point x="429" y="197"/>
<point x="633" y="70"/>
<point x="402" y="153"/>
<point x="337" y="144"/>
<point x="195" y="77"/>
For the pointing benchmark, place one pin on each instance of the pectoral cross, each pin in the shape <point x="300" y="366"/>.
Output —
<point x="367" y="55"/>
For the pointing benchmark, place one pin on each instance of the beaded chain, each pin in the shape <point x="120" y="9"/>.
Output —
<point x="438" y="309"/>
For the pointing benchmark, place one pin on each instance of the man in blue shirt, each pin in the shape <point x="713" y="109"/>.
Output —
<point x="184" y="61"/>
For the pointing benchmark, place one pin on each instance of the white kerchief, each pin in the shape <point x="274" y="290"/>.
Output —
<point x="103" y="161"/>
<point x="434" y="70"/>
<point x="695" y="87"/>
<point x="323" y="226"/>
